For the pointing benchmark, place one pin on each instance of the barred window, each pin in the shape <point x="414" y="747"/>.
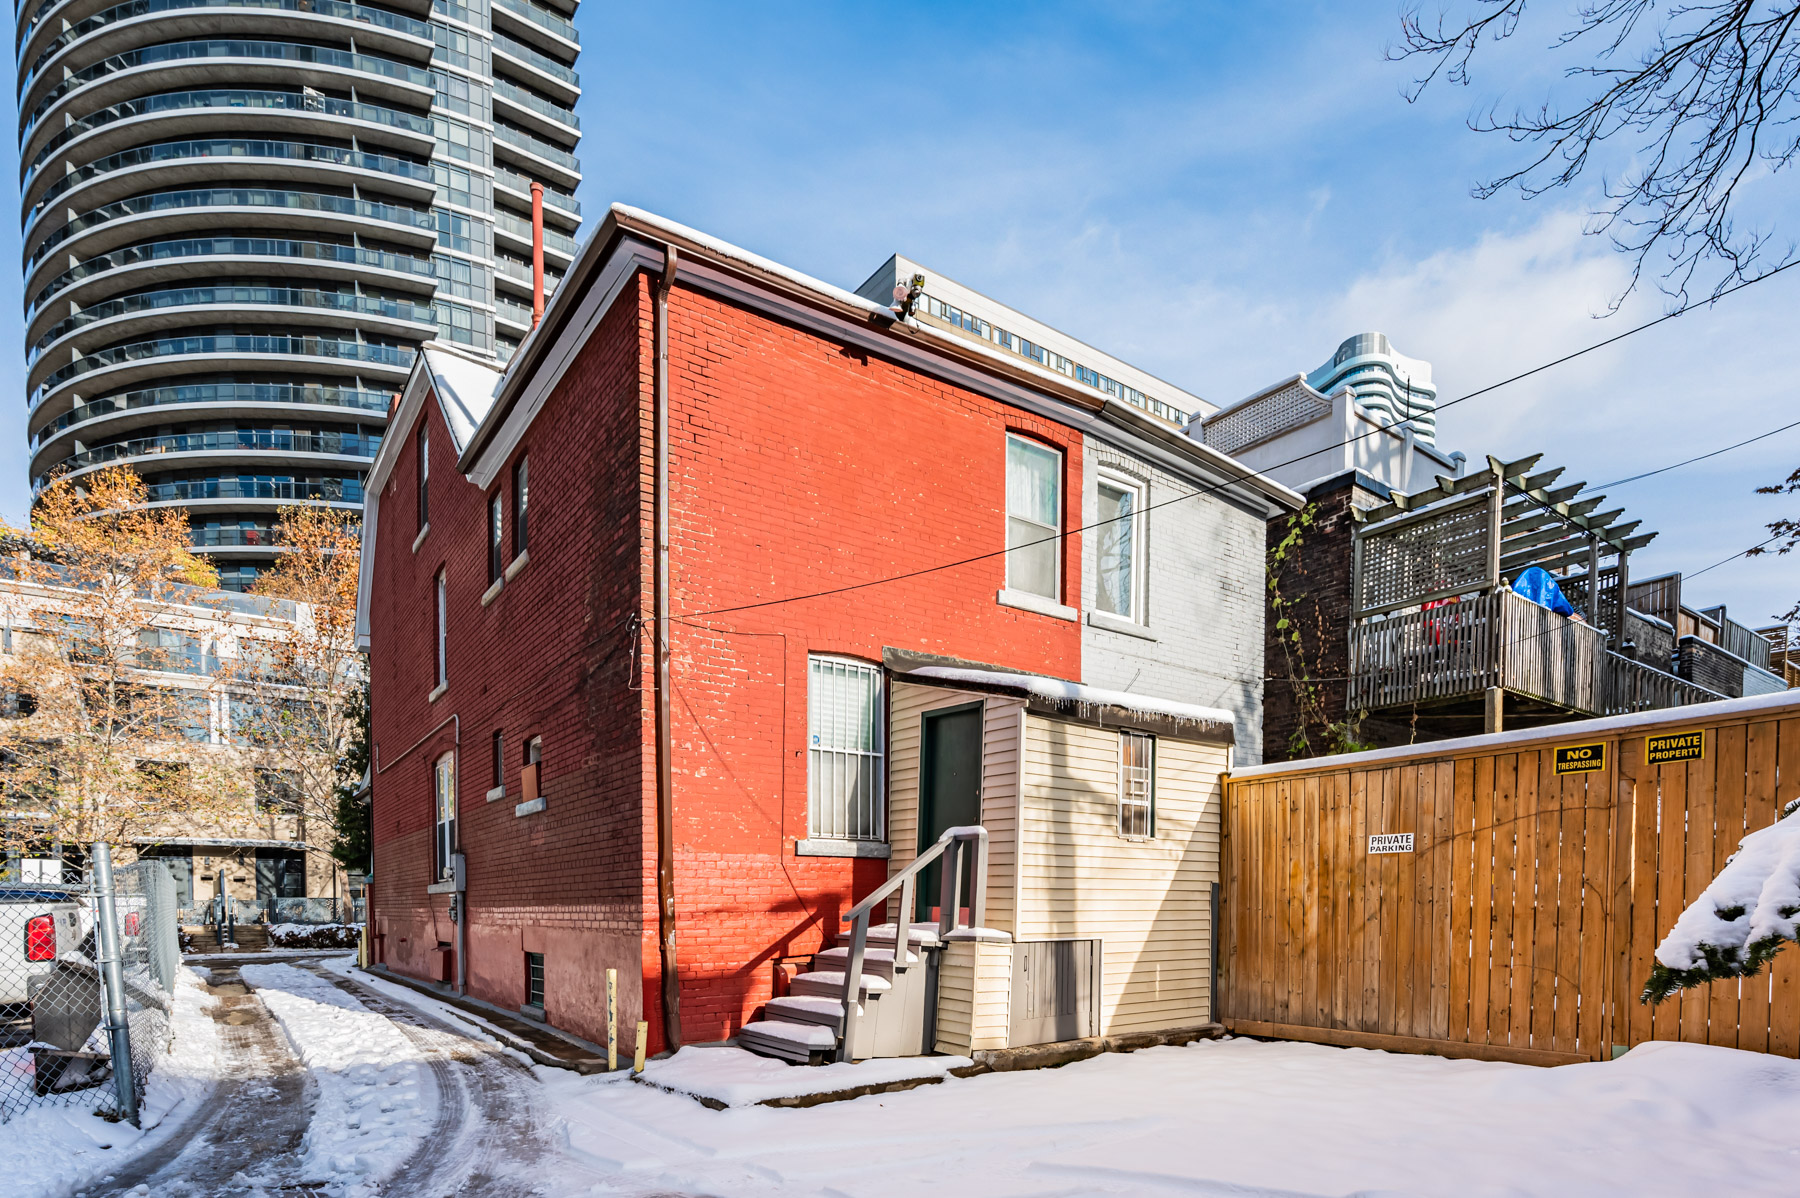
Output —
<point x="1137" y="784"/>
<point x="846" y="750"/>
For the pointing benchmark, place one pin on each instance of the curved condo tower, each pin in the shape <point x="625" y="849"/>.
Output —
<point x="242" y="217"/>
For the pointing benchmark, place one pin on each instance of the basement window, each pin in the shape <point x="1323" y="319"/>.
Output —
<point x="534" y="980"/>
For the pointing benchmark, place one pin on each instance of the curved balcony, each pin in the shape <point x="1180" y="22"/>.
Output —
<point x="556" y="242"/>
<point x="138" y="408"/>
<point x="535" y="112"/>
<point x="549" y="163"/>
<point x="559" y="79"/>
<point x="413" y="224"/>
<point x="264" y="489"/>
<point x="539" y="26"/>
<point x="241" y="300"/>
<point x="245" y="445"/>
<point x="374" y="18"/>
<point x="296" y="53"/>
<point x="218" y="254"/>
<point x="237" y="349"/>
<point x="241" y="153"/>
<point x="237" y="105"/>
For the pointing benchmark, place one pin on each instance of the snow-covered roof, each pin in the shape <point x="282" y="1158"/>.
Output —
<point x="1781" y="701"/>
<point x="738" y="254"/>
<point x="465" y="390"/>
<point x="1084" y="699"/>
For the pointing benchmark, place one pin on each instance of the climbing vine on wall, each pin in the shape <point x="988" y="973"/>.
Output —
<point x="1312" y="715"/>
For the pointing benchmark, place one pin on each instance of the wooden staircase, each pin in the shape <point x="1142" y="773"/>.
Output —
<point x="250" y="938"/>
<point x="888" y="1011"/>
<point x="806" y="1025"/>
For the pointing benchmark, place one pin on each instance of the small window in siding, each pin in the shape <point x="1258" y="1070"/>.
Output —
<point x="1137" y="785"/>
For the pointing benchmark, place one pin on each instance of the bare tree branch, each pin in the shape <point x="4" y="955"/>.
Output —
<point x="1707" y="101"/>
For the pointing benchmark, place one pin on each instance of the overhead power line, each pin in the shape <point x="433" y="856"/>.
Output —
<point x="1690" y="461"/>
<point x="1490" y="388"/>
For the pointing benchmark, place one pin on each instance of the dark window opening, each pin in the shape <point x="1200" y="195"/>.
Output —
<point x="534" y="980"/>
<point x="521" y="491"/>
<point x="496" y="538"/>
<point x="424" y="475"/>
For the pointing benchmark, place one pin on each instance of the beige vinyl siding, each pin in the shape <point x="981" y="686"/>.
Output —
<point x="907" y="705"/>
<point x="1148" y="901"/>
<point x="974" y="996"/>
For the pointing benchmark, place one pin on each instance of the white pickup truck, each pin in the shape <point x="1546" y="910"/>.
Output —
<point x="38" y="923"/>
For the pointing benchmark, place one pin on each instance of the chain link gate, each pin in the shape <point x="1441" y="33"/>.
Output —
<point x="87" y="976"/>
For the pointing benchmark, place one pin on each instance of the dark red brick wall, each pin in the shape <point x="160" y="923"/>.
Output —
<point x="553" y="655"/>
<point x="797" y="465"/>
<point x="1314" y="580"/>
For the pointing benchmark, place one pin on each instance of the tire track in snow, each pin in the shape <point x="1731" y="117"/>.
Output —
<point x="486" y="1140"/>
<point x="249" y="1131"/>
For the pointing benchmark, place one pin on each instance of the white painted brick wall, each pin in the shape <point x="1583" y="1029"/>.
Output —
<point x="1203" y="591"/>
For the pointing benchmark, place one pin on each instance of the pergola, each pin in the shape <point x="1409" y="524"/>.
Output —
<point x="1436" y="629"/>
<point x="1470" y="535"/>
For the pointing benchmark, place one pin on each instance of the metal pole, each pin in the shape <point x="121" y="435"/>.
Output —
<point x="118" y="1028"/>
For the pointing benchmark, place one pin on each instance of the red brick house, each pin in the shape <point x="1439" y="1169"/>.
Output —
<point x="814" y="445"/>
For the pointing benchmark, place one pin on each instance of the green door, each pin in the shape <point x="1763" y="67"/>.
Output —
<point x="949" y="790"/>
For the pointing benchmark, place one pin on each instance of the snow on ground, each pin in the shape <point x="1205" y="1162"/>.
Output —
<point x="50" y="1150"/>
<point x="375" y="1097"/>
<point x="738" y="1078"/>
<point x="1234" y="1117"/>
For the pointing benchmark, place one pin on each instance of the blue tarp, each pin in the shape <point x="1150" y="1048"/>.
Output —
<point x="1537" y="585"/>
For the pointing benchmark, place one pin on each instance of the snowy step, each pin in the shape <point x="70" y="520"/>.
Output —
<point x="806" y="1008"/>
<point x="829" y="983"/>
<point x="879" y="961"/>
<point x="883" y="933"/>
<point x="803" y="1043"/>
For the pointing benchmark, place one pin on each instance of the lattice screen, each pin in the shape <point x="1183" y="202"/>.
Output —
<point x="1574" y="589"/>
<point x="1403" y="566"/>
<point x="1292" y="406"/>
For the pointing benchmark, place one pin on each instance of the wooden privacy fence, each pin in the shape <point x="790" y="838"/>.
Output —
<point x="1520" y="922"/>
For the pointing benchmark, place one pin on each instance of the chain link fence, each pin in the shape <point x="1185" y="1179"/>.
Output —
<point x="87" y="975"/>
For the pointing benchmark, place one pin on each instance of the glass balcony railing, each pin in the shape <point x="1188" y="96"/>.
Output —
<point x="237" y="395"/>
<point x="233" y="247"/>
<point x="228" y="343"/>
<point x="356" y="445"/>
<point x="225" y="48"/>
<point x="231" y="147"/>
<point x="235" y="197"/>
<point x="520" y="184"/>
<point x="543" y="18"/>
<point x="553" y="239"/>
<point x="537" y="58"/>
<point x="230" y="98"/>
<point x="544" y="108"/>
<point x="348" y="490"/>
<point x="537" y="146"/>
<point x="380" y="18"/>
<point x="238" y="296"/>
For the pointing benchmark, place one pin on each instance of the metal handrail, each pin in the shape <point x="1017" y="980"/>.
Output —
<point x="949" y="847"/>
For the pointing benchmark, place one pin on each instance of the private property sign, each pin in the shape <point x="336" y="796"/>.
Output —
<point x="1674" y="746"/>
<point x="1581" y="759"/>
<point x="1391" y="842"/>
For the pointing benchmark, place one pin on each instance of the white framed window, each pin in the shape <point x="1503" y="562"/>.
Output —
<point x="444" y="788"/>
<point x="1033" y="518"/>
<point x="442" y="674"/>
<point x="1137" y="785"/>
<point x="1119" y="546"/>
<point x="846" y="750"/>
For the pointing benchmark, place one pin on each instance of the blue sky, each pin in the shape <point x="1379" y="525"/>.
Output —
<point x="1216" y="192"/>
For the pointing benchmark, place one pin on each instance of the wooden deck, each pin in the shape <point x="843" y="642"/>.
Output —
<point x="1458" y="650"/>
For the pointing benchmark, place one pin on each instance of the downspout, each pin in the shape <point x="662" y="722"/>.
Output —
<point x="537" y="253"/>
<point x="665" y="793"/>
